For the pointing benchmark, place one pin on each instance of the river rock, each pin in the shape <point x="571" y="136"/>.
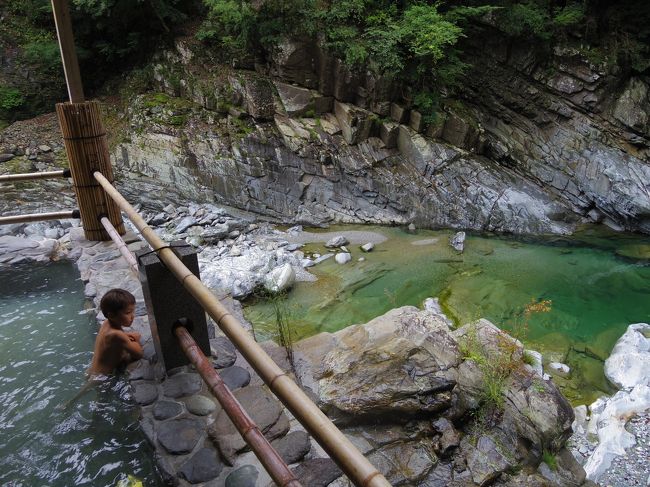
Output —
<point x="245" y="476"/>
<point x="181" y="385"/>
<point x="400" y="362"/>
<point x="180" y="436"/>
<point x="629" y="361"/>
<point x="144" y="393"/>
<point x="293" y="447"/>
<point x="342" y="258"/>
<point x="337" y="241"/>
<point x="261" y="406"/>
<point x="200" y="405"/>
<point x="609" y="420"/>
<point x="235" y="377"/>
<point x="185" y="223"/>
<point x="368" y="247"/>
<point x="534" y="411"/>
<point x="317" y="472"/>
<point x="203" y="466"/>
<point x="559" y="369"/>
<point x="18" y="249"/>
<point x="166" y="409"/>
<point x="280" y="279"/>
<point x="458" y="241"/>
<point x="223" y="352"/>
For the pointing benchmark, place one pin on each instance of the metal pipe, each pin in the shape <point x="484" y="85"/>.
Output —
<point x="269" y="457"/>
<point x="358" y="469"/>
<point x="121" y="244"/>
<point x="35" y="217"/>
<point x="63" y="173"/>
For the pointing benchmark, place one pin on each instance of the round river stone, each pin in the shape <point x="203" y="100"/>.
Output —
<point x="182" y="384"/>
<point x="223" y="352"/>
<point x="166" y="409"/>
<point x="144" y="392"/>
<point x="180" y="436"/>
<point x="203" y="466"/>
<point x="235" y="377"/>
<point x="245" y="476"/>
<point x="200" y="405"/>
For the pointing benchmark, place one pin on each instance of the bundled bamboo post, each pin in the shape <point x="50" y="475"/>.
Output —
<point x="87" y="149"/>
<point x="84" y="137"/>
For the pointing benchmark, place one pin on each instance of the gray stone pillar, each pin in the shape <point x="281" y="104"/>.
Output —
<point x="167" y="301"/>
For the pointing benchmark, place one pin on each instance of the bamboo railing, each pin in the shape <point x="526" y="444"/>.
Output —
<point x="35" y="217"/>
<point x="63" y="173"/>
<point x="358" y="469"/>
<point x="270" y="458"/>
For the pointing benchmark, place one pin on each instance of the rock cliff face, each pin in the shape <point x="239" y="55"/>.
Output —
<point x="529" y="150"/>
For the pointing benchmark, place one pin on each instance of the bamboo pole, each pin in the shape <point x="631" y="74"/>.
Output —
<point x="35" y="217"/>
<point x="268" y="456"/>
<point x="63" y="173"/>
<point x="341" y="450"/>
<point x="87" y="149"/>
<point x="68" y="52"/>
<point x="121" y="245"/>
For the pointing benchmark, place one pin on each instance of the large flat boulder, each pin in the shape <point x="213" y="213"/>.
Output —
<point x="403" y="361"/>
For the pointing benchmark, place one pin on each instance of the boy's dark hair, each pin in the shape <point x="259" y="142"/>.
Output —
<point x="115" y="301"/>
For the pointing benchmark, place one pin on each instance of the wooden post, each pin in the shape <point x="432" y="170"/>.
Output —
<point x="68" y="52"/>
<point x="87" y="149"/>
<point x="84" y="137"/>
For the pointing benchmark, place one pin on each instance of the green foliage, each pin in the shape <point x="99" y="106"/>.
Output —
<point x="549" y="459"/>
<point x="427" y="103"/>
<point x="570" y="15"/>
<point x="528" y="358"/>
<point x="284" y="330"/>
<point x="10" y="98"/>
<point x="527" y="18"/>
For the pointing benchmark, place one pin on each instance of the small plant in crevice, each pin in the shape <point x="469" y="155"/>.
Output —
<point x="549" y="459"/>
<point x="285" y="332"/>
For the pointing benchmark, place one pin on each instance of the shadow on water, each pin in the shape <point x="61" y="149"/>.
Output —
<point x="46" y="345"/>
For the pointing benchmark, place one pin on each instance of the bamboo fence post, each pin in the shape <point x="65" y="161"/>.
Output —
<point x="87" y="148"/>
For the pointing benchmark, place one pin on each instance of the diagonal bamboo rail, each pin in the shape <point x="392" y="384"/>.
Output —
<point x="63" y="173"/>
<point x="270" y="458"/>
<point x="358" y="469"/>
<point x="121" y="244"/>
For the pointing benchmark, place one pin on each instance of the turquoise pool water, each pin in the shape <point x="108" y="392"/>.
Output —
<point x="598" y="283"/>
<point x="46" y="346"/>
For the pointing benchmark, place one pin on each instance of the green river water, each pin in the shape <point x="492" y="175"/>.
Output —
<point x="46" y="345"/>
<point x="598" y="283"/>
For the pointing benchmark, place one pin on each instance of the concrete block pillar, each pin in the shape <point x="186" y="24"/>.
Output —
<point x="167" y="301"/>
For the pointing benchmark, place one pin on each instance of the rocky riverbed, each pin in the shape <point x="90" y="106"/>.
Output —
<point x="350" y="376"/>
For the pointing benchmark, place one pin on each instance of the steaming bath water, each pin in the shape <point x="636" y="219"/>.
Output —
<point x="46" y="345"/>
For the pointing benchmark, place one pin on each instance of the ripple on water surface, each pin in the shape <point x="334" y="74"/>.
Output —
<point x="46" y="345"/>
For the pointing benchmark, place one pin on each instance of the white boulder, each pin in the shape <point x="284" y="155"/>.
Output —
<point x="559" y="369"/>
<point x="280" y="279"/>
<point x="368" y="247"/>
<point x="629" y="362"/>
<point x="343" y="258"/>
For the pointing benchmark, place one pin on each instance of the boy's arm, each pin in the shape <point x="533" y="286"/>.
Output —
<point x="123" y="341"/>
<point x="133" y="335"/>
